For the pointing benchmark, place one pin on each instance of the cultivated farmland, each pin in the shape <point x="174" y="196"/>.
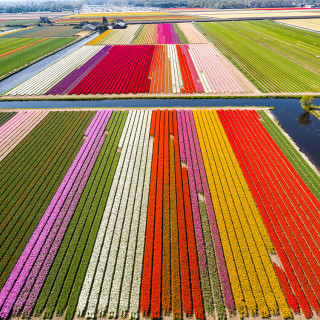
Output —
<point x="24" y="51"/>
<point x="165" y="33"/>
<point x="116" y="36"/>
<point x="127" y="16"/>
<point x="153" y="213"/>
<point x="220" y="58"/>
<point x="311" y="24"/>
<point x="267" y="13"/>
<point x="275" y="57"/>
<point x="44" y="31"/>
<point x="23" y="47"/>
<point x="98" y="69"/>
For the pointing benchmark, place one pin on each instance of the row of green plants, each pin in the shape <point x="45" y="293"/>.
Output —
<point x="298" y="49"/>
<point x="307" y="41"/>
<point x="181" y="35"/>
<point x="26" y="56"/>
<point x="294" y="156"/>
<point x="6" y="116"/>
<point x="137" y="33"/>
<point x="269" y="70"/>
<point x="30" y="177"/>
<point x="62" y="287"/>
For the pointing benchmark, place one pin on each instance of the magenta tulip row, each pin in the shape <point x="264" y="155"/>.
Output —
<point x="167" y="34"/>
<point x="25" y="281"/>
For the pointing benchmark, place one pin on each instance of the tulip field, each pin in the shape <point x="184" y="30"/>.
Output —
<point x="218" y="58"/>
<point x="116" y="36"/>
<point x="127" y="16"/>
<point x="124" y="69"/>
<point x="310" y="24"/>
<point x="44" y="31"/>
<point x="165" y="33"/>
<point x="156" y="213"/>
<point x="23" y="47"/>
<point x="275" y="57"/>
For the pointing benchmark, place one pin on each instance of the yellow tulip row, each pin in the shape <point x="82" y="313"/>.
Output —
<point x="260" y="235"/>
<point x="148" y="35"/>
<point x="243" y="234"/>
<point x="99" y="38"/>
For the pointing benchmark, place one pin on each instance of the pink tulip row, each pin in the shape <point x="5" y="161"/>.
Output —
<point x="14" y="123"/>
<point x="185" y="154"/>
<point x="194" y="73"/>
<point x="26" y="279"/>
<point x="221" y="75"/>
<point x="18" y="130"/>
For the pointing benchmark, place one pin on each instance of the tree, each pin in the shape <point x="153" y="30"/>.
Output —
<point x="304" y="119"/>
<point x="306" y="102"/>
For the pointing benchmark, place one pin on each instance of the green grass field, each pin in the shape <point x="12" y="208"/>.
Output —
<point x="19" y="22"/>
<point x="276" y="58"/>
<point x="20" y="58"/>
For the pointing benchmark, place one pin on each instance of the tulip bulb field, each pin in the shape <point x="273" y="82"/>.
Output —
<point x="137" y="209"/>
<point x="235" y="58"/>
<point x="22" y="47"/>
<point x="180" y="213"/>
<point x="124" y="69"/>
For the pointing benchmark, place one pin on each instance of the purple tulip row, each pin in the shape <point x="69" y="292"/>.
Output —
<point x="193" y="175"/>
<point x="14" y="123"/>
<point x="73" y="78"/>
<point x="29" y="273"/>
<point x="167" y="34"/>
<point x="195" y="162"/>
<point x="174" y="35"/>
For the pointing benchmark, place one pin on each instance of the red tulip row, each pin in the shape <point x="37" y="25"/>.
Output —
<point x="124" y="69"/>
<point x="188" y="83"/>
<point x="166" y="274"/>
<point x="292" y="301"/>
<point x="170" y="249"/>
<point x="288" y="208"/>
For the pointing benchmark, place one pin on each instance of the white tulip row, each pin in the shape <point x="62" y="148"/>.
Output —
<point x="144" y="183"/>
<point x="111" y="287"/>
<point x="192" y="34"/>
<point x="99" y="256"/>
<point x="114" y="260"/>
<point x="119" y="36"/>
<point x="114" y="230"/>
<point x="47" y="78"/>
<point x="177" y="82"/>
